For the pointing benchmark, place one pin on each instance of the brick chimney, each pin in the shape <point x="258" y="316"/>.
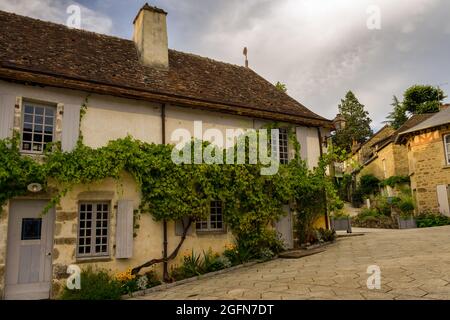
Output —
<point x="150" y="37"/>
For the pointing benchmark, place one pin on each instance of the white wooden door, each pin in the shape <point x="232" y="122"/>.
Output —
<point x="30" y="244"/>
<point x="284" y="227"/>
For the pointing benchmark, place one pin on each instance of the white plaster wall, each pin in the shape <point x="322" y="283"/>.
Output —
<point x="109" y="118"/>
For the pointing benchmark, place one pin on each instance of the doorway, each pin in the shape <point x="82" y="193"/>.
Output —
<point x="29" y="250"/>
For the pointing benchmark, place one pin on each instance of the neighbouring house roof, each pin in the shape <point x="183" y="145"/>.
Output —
<point x="372" y="140"/>
<point x="411" y="122"/>
<point x="46" y="53"/>
<point x="435" y="120"/>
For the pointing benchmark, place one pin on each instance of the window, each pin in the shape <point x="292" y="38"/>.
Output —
<point x="31" y="229"/>
<point x="447" y="148"/>
<point x="283" y="141"/>
<point x="37" y="126"/>
<point x="93" y="229"/>
<point x="215" y="219"/>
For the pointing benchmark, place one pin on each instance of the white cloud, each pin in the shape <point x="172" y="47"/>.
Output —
<point x="321" y="49"/>
<point x="55" y="11"/>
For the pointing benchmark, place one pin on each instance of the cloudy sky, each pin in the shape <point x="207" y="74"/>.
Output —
<point x="319" y="48"/>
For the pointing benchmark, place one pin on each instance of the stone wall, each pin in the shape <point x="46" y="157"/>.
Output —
<point x="428" y="168"/>
<point x="3" y="244"/>
<point x="392" y="160"/>
<point x="148" y="243"/>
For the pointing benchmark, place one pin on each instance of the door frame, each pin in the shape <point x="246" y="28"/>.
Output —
<point x="51" y="237"/>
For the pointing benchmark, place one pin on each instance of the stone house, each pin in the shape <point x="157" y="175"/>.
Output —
<point x="381" y="157"/>
<point x="428" y="151"/>
<point x="136" y="87"/>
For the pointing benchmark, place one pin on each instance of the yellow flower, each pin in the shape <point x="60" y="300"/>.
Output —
<point x="230" y="246"/>
<point x="125" y="276"/>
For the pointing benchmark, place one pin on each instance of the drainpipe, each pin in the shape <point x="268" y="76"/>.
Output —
<point x="165" y="242"/>
<point x="324" y="193"/>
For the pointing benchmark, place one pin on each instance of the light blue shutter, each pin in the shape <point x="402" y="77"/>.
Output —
<point x="70" y="127"/>
<point x="7" y="105"/>
<point x="124" y="229"/>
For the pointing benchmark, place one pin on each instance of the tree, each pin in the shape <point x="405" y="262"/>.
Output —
<point x="397" y="117"/>
<point x="420" y="99"/>
<point x="281" y="86"/>
<point x="357" y="123"/>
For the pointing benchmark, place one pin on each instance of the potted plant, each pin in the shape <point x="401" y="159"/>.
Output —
<point x="406" y="219"/>
<point x="341" y="221"/>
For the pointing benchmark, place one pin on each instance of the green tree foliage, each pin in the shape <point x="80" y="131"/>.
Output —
<point x="397" y="117"/>
<point x="281" y="86"/>
<point x="357" y="123"/>
<point x="420" y="99"/>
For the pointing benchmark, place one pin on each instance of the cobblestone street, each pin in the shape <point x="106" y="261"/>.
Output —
<point x="415" y="264"/>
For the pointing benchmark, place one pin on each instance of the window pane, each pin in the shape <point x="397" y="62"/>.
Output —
<point x="27" y="127"/>
<point x="39" y="119"/>
<point x="26" y="146"/>
<point x="31" y="228"/>
<point x="49" y="112"/>
<point x="26" y="136"/>
<point x="28" y="118"/>
<point x="37" y="138"/>
<point x="29" y="109"/>
<point x="38" y="128"/>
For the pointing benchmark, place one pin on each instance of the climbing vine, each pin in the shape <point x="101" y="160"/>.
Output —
<point x="172" y="192"/>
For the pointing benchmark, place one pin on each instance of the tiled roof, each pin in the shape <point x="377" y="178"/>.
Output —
<point x="42" y="52"/>
<point x="434" y="120"/>
<point x="411" y="122"/>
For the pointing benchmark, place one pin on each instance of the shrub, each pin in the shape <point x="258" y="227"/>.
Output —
<point x="425" y="220"/>
<point x="406" y="206"/>
<point x="213" y="262"/>
<point x="128" y="281"/>
<point x="368" y="213"/>
<point x="266" y="254"/>
<point x="192" y="264"/>
<point x="95" y="285"/>
<point x="238" y="253"/>
<point x="326" y="235"/>
<point x="369" y="184"/>
<point x="382" y="205"/>
<point x="152" y="279"/>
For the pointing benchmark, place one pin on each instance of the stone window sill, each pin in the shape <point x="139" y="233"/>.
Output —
<point x="211" y="232"/>
<point x="93" y="259"/>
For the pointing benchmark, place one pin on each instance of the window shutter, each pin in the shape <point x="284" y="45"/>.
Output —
<point x="179" y="227"/>
<point x="70" y="127"/>
<point x="442" y="194"/>
<point x="124" y="229"/>
<point x="6" y="116"/>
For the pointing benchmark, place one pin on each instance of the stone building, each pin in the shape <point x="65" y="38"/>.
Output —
<point x="428" y="146"/>
<point x="381" y="157"/>
<point x="136" y="87"/>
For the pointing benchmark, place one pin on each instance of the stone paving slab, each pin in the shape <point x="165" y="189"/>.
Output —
<point x="414" y="264"/>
